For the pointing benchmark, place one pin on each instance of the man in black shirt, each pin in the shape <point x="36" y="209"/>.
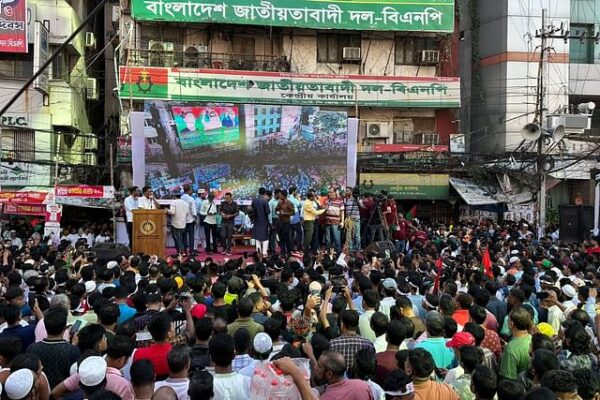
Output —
<point x="56" y="354"/>
<point x="229" y="210"/>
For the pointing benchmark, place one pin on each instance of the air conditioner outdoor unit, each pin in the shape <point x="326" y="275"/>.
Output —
<point x="426" y="138"/>
<point x="91" y="89"/>
<point x="191" y="57"/>
<point x="430" y="56"/>
<point x="90" y="142"/>
<point x="351" y="53"/>
<point x="377" y="130"/>
<point x="90" y="40"/>
<point x="161" y="54"/>
<point x="90" y="158"/>
<point x="203" y="49"/>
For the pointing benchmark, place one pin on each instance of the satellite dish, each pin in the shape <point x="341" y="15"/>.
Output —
<point x="557" y="133"/>
<point x="531" y="132"/>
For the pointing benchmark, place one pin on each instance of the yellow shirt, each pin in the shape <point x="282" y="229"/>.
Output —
<point x="309" y="211"/>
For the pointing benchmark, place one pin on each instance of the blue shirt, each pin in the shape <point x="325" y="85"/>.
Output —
<point x="25" y="333"/>
<point x="126" y="313"/>
<point x="272" y="206"/>
<point x="442" y="355"/>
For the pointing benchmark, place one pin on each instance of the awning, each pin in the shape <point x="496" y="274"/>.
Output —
<point x="474" y="194"/>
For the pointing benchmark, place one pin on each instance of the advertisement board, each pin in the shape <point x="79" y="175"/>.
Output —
<point x="407" y="186"/>
<point x="13" y="26"/>
<point x="206" y="125"/>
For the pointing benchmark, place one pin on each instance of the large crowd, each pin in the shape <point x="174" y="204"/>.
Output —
<point x="478" y="310"/>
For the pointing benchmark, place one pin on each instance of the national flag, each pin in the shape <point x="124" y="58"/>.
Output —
<point x="486" y="263"/>
<point x="439" y="270"/>
<point x="412" y="213"/>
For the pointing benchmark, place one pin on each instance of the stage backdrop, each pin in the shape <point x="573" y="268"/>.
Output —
<point x="239" y="148"/>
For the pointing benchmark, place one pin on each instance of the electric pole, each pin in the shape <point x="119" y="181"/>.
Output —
<point x="539" y="119"/>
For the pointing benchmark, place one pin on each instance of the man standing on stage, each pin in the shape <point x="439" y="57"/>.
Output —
<point x="229" y="210"/>
<point x="285" y="211"/>
<point x="260" y="230"/>
<point x="310" y="213"/>
<point x="199" y="199"/>
<point x="189" y="235"/>
<point x="334" y="220"/>
<point x="295" y="225"/>
<point x="209" y="211"/>
<point x="147" y="201"/>
<point x="274" y="220"/>
<point x="180" y="212"/>
<point x="130" y="204"/>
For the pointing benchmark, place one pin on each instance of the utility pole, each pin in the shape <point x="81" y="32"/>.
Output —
<point x="539" y="116"/>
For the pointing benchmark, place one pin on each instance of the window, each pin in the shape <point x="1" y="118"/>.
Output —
<point x="411" y="130"/>
<point x="19" y="143"/>
<point x="330" y="46"/>
<point x="17" y="66"/>
<point x="582" y="52"/>
<point x="64" y="63"/>
<point x="409" y="49"/>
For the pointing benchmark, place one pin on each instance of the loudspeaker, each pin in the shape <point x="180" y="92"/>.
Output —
<point x="576" y="222"/>
<point x="586" y="221"/>
<point x="108" y="251"/>
<point x="381" y="248"/>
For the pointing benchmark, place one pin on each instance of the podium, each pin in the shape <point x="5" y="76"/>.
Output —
<point x="150" y="232"/>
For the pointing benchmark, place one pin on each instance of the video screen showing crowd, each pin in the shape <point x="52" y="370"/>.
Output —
<point x="343" y="297"/>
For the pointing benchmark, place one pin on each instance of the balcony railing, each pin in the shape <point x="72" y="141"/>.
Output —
<point x="180" y="59"/>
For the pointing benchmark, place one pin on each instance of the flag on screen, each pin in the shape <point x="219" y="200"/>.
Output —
<point x="487" y="264"/>
<point x="412" y="213"/>
<point x="439" y="270"/>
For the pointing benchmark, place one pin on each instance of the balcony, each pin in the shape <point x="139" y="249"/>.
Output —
<point x="196" y="59"/>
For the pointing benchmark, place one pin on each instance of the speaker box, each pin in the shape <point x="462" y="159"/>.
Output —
<point x="380" y="248"/>
<point x="576" y="222"/>
<point x="108" y="251"/>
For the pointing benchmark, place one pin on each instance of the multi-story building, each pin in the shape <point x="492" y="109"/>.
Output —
<point x="390" y="65"/>
<point x="49" y="122"/>
<point x="500" y="58"/>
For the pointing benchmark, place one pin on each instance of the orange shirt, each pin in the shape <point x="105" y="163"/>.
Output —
<point x="430" y="390"/>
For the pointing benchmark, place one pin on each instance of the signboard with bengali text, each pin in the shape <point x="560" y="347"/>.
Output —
<point x="85" y="191"/>
<point x="374" y="15"/>
<point x="13" y="26"/>
<point x="407" y="186"/>
<point x="24" y="209"/>
<point x="227" y="86"/>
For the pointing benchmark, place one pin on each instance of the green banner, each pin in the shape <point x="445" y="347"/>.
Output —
<point x="283" y="88"/>
<point x="407" y="186"/>
<point x="392" y="15"/>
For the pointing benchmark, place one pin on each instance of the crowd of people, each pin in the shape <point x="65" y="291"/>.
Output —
<point x="481" y="310"/>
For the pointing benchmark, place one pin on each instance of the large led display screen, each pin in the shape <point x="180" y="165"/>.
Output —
<point x="239" y="148"/>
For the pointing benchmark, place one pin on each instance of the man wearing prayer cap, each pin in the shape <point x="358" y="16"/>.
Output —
<point x="20" y="385"/>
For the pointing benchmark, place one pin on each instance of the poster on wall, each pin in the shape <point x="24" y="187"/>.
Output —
<point x="13" y="26"/>
<point x="240" y="148"/>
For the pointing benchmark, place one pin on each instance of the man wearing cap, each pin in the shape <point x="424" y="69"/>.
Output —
<point x="119" y="350"/>
<point x="180" y="213"/>
<point x="189" y="236"/>
<point x="389" y="299"/>
<point x="20" y="385"/>
<point x="262" y="345"/>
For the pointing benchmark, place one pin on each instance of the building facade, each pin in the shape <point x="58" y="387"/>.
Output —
<point x="49" y="122"/>
<point x="392" y="66"/>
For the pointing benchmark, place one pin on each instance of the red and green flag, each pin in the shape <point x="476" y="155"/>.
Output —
<point x="412" y="213"/>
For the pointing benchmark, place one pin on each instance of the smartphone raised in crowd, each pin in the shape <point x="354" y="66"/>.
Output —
<point x="75" y="327"/>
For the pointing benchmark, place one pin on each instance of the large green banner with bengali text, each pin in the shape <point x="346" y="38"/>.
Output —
<point x="382" y="15"/>
<point x="226" y="86"/>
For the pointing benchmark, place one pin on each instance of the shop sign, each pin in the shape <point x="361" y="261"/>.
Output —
<point x="85" y="191"/>
<point x="24" y="209"/>
<point x="24" y="174"/>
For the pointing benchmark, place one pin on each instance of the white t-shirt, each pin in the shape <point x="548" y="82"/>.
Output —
<point x="232" y="386"/>
<point x="180" y="386"/>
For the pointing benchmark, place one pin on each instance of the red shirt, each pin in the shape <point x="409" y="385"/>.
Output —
<point x="386" y="363"/>
<point x="461" y="317"/>
<point x="157" y="354"/>
<point x="491" y="341"/>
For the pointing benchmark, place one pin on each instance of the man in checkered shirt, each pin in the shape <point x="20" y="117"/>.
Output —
<point x="349" y="342"/>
